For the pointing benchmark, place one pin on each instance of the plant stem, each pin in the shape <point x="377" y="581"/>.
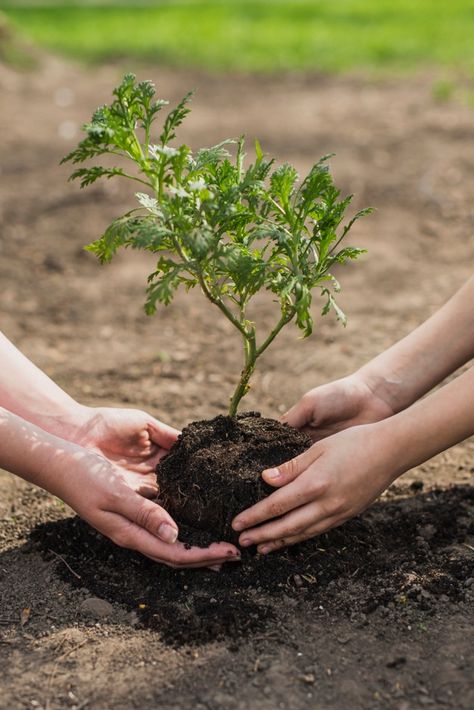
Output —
<point x="243" y="384"/>
<point x="251" y="355"/>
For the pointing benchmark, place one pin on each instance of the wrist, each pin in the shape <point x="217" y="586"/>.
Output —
<point x="67" y="421"/>
<point x="383" y="450"/>
<point x="386" y="386"/>
<point x="376" y="403"/>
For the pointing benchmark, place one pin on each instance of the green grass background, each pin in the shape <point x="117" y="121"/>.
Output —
<point x="259" y="35"/>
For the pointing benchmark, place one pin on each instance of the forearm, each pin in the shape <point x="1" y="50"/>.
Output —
<point x="33" y="454"/>
<point x="430" y="426"/>
<point x="28" y="392"/>
<point x="411" y="367"/>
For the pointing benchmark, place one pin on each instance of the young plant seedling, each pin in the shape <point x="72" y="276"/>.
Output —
<point x="229" y="228"/>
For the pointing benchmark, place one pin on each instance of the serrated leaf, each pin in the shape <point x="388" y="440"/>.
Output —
<point x="149" y="203"/>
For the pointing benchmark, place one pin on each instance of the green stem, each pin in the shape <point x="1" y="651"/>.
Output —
<point x="221" y="305"/>
<point x="251" y="355"/>
<point x="243" y="384"/>
<point x="286" y="318"/>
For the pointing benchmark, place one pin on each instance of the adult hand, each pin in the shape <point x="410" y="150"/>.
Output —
<point x="115" y="502"/>
<point x="130" y="438"/>
<point x="335" y="406"/>
<point x="334" y="480"/>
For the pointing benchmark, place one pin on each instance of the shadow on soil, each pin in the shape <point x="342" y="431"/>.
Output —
<point x="403" y="553"/>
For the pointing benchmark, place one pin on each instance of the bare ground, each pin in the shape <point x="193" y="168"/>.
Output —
<point x="312" y="644"/>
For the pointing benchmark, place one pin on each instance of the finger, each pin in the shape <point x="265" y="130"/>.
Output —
<point x="293" y="495"/>
<point x="178" y="555"/>
<point x="299" y="415"/>
<point x="289" y="525"/>
<point x="141" y="450"/>
<point x="147" y="515"/>
<point x="146" y="485"/>
<point x="136" y="466"/>
<point x="323" y="526"/>
<point x="147" y="490"/>
<point x="162" y="434"/>
<point x="288" y="471"/>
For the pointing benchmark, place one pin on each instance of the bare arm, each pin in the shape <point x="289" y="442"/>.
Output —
<point x="28" y="392"/>
<point x="414" y="365"/>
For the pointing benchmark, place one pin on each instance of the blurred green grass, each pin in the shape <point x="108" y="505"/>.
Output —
<point x="259" y="35"/>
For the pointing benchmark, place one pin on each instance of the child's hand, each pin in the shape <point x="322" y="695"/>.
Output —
<point x="334" y="480"/>
<point x="335" y="406"/>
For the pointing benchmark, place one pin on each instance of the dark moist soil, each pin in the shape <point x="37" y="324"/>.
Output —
<point x="214" y="471"/>
<point x="402" y="560"/>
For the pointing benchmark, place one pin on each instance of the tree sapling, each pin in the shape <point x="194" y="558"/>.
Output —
<point x="232" y="229"/>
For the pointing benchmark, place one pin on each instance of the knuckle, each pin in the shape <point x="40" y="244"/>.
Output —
<point x="145" y="516"/>
<point x="318" y="486"/>
<point x="275" y="509"/>
<point x="333" y="507"/>
<point x="307" y="400"/>
<point x="112" y="498"/>
<point x="290" y="468"/>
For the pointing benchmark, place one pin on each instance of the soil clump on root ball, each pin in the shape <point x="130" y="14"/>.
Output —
<point x="213" y="471"/>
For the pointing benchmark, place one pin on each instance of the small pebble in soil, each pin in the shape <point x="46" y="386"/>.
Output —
<point x="96" y="608"/>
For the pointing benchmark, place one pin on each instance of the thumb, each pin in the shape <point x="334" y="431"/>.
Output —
<point x="150" y="516"/>
<point x="288" y="471"/>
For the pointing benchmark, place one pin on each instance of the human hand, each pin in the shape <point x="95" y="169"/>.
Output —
<point x="334" y="480"/>
<point x="129" y="438"/>
<point x="335" y="406"/>
<point x="115" y="502"/>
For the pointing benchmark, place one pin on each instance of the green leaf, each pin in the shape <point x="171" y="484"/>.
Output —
<point x="149" y="203"/>
<point x="175" y="119"/>
<point x="163" y="284"/>
<point x="331" y="303"/>
<point x="283" y="182"/>
<point x="90" y="175"/>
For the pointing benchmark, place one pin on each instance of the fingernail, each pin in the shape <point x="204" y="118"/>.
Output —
<point x="245" y="542"/>
<point x="238" y="525"/>
<point x="272" y="474"/>
<point x="167" y="533"/>
<point x="265" y="549"/>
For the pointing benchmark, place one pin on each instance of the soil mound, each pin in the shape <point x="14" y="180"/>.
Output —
<point x="214" y="471"/>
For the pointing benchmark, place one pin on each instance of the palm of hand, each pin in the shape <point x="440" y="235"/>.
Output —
<point x="128" y="438"/>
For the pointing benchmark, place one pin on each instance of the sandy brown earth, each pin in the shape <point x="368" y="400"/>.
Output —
<point x="376" y="615"/>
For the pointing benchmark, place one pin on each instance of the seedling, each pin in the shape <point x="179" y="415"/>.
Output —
<point x="229" y="228"/>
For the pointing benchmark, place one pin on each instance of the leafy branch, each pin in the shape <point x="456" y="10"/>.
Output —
<point x="215" y="224"/>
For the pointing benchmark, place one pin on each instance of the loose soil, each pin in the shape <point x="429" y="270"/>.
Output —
<point x="376" y="614"/>
<point x="213" y="471"/>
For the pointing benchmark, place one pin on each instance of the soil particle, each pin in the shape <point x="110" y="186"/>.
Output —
<point x="96" y="608"/>
<point x="214" y="471"/>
